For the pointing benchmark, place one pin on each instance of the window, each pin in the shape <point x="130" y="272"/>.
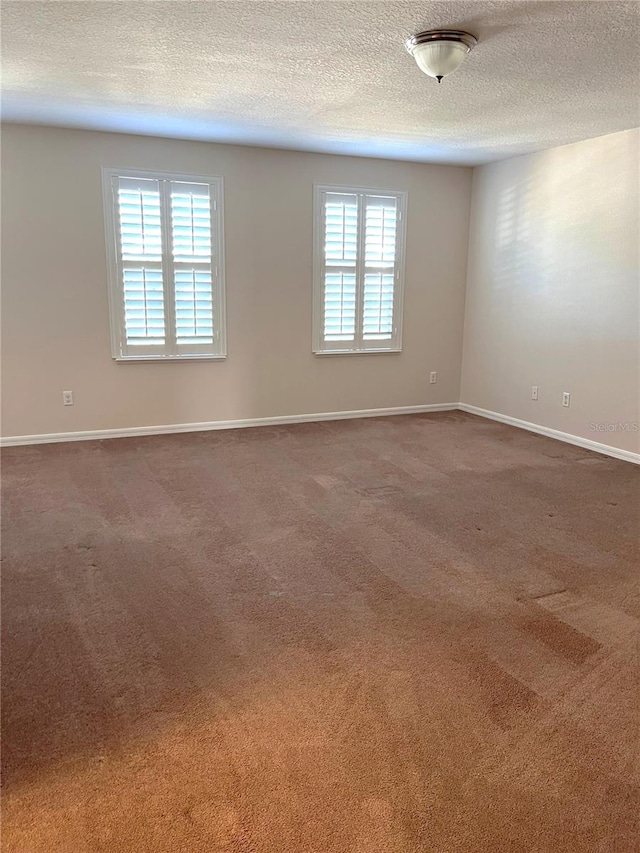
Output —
<point x="358" y="270"/>
<point x="166" y="271"/>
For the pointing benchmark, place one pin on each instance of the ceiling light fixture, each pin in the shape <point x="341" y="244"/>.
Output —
<point x="439" y="52"/>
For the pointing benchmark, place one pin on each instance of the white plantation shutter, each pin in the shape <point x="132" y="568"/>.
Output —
<point x="191" y="246"/>
<point x="166" y="265"/>
<point x="379" y="267"/>
<point x="139" y="217"/>
<point x="340" y="252"/>
<point x="358" y="270"/>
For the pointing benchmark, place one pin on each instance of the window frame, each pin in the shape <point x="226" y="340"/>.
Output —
<point x="202" y="352"/>
<point x="321" y="347"/>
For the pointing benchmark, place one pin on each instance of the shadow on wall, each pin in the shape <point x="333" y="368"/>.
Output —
<point x="513" y="237"/>
<point x="557" y="225"/>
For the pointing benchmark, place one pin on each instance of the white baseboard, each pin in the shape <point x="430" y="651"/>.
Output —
<point x="587" y="443"/>
<point x="93" y="435"/>
<point x="166" y="429"/>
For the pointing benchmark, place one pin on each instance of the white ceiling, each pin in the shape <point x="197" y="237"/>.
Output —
<point x="326" y="76"/>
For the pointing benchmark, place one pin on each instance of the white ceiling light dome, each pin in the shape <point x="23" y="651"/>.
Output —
<point x="440" y="52"/>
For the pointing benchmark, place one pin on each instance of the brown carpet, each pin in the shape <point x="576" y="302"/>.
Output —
<point x="378" y="636"/>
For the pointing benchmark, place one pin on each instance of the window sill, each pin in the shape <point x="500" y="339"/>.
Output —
<point x="165" y="359"/>
<point x="357" y="351"/>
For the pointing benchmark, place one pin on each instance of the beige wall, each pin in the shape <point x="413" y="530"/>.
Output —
<point x="552" y="290"/>
<point x="54" y="287"/>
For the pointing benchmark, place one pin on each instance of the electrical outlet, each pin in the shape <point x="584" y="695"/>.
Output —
<point x="566" y="398"/>
<point x="433" y="377"/>
<point x="534" y="392"/>
<point x="67" y="398"/>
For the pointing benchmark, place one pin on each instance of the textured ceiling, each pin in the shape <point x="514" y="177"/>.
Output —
<point x="326" y="76"/>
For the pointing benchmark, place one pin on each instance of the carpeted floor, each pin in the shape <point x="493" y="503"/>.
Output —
<point x="379" y="636"/>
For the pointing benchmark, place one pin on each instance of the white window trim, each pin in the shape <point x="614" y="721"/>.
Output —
<point x="395" y="344"/>
<point x="116" y="301"/>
